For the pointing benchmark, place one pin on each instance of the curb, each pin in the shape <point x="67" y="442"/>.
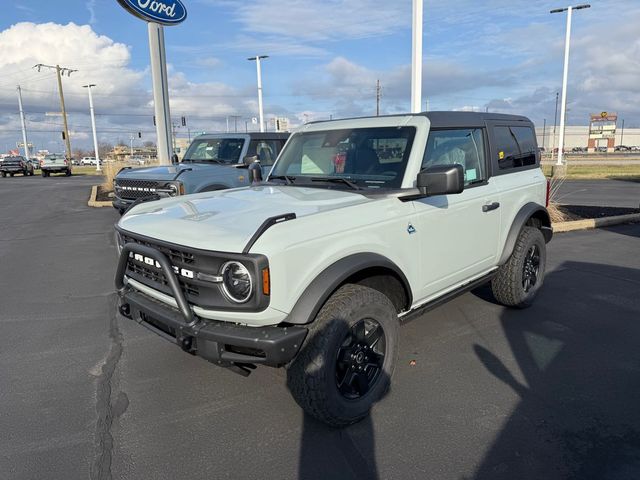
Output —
<point x="590" y="223"/>
<point x="95" y="203"/>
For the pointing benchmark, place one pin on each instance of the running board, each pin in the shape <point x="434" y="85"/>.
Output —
<point x="413" y="314"/>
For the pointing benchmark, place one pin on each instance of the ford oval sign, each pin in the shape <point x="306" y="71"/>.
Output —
<point x="165" y="12"/>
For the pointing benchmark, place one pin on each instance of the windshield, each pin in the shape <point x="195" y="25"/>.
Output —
<point x="215" y="150"/>
<point x="366" y="157"/>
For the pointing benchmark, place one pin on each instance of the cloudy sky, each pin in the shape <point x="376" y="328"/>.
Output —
<point x="325" y="58"/>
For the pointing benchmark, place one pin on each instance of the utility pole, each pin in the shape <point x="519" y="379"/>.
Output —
<point x="257" y="58"/>
<point x="93" y="126"/>
<point x="416" y="57"/>
<point x="131" y="140"/>
<point x="378" y="95"/>
<point x="565" y="74"/>
<point x="24" y="126"/>
<point x="544" y="132"/>
<point x="621" y="133"/>
<point x="60" y="71"/>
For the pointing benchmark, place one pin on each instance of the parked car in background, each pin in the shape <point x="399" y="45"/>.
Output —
<point x="88" y="161"/>
<point x="12" y="165"/>
<point x="137" y="160"/>
<point x="35" y="163"/>
<point x="212" y="162"/>
<point x="55" y="163"/>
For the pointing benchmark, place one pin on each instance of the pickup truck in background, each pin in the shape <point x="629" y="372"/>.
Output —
<point x="212" y="162"/>
<point x="55" y="163"/>
<point x="12" y="165"/>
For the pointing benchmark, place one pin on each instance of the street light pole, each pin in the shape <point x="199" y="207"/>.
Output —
<point x="93" y="126"/>
<point x="24" y="126"/>
<point x="257" y="58"/>
<point x="565" y="75"/>
<point x="416" y="57"/>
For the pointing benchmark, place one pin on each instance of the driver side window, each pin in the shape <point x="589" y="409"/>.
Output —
<point x="464" y="146"/>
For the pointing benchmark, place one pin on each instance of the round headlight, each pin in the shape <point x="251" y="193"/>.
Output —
<point x="173" y="189"/>
<point x="236" y="282"/>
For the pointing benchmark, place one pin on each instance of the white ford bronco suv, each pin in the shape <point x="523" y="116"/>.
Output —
<point x="361" y="224"/>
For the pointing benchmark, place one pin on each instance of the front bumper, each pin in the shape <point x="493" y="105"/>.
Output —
<point x="121" y="204"/>
<point x="222" y="343"/>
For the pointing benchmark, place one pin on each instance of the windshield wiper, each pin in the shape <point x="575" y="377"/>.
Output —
<point x="349" y="183"/>
<point x="191" y="160"/>
<point x="287" y="178"/>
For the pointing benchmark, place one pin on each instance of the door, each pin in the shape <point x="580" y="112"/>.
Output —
<point x="459" y="232"/>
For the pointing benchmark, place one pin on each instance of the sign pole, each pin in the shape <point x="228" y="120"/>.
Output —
<point x="160" y="91"/>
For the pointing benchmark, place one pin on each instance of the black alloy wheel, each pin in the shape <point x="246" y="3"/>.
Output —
<point x="360" y="358"/>
<point x="531" y="268"/>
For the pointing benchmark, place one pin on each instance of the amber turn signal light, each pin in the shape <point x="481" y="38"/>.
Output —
<point x="266" y="283"/>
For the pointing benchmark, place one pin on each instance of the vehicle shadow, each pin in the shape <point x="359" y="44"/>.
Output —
<point x="577" y="373"/>
<point x="337" y="453"/>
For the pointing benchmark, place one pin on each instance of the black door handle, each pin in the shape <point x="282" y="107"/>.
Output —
<point x="490" y="206"/>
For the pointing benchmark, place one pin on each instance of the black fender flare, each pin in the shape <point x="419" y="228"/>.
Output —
<point x="529" y="210"/>
<point x="213" y="188"/>
<point x="328" y="281"/>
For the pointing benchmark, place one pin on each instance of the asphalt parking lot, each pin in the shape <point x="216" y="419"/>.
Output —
<point x="480" y="392"/>
<point x="610" y="193"/>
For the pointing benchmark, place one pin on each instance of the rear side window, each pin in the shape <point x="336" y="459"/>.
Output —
<point x="516" y="147"/>
<point x="266" y="150"/>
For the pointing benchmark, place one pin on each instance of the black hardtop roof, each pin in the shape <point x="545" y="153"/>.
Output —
<point x="453" y="119"/>
<point x="251" y="135"/>
<point x="442" y="119"/>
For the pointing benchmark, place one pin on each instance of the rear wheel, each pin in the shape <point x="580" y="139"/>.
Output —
<point x="518" y="281"/>
<point x="346" y="363"/>
<point x="11" y="174"/>
<point x="4" y="174"/>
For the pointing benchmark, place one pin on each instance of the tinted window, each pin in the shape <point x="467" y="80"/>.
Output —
<point x="516" y="147"/>
<point x="369" y="157"/>
<point x="266" y="150"/>
<point x="215" y="150"/>
<point x="462" y="146"/>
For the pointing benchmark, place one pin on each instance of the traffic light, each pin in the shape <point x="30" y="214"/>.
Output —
<point x="139" y="134"/>
<point x="154" y="120"/>
<point x="184" y="121"/>
<point x="63" y="136"/>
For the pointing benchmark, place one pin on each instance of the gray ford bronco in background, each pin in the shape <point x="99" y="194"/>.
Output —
<point x="361" y="224"/>
<point x="212" y="162"/>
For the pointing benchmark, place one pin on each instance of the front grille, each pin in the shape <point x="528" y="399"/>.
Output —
<point x="154" y="275"/>
<point x="193" y="269"/>
<point x="134" y="189"/>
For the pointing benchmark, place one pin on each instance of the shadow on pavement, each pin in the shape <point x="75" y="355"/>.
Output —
<point x="578" y="380"/>
<point x="330" y="453"/>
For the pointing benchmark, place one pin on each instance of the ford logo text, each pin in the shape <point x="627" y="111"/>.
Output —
<point x="165" y="12"/>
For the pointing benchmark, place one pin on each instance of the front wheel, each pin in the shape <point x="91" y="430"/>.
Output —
<point x="346" y="363"/>
<point x="519" y="280"/>
<point x="4" y="174"/>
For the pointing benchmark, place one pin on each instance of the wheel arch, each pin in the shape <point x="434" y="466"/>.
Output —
<point x="368" y="269"/>
<point x="531" y="214"/>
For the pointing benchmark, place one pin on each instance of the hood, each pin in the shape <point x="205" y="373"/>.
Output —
<point x="168" y="172"/>
<point x="226" y="220"/>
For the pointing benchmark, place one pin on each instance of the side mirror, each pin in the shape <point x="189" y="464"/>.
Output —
<point x="249" y="159"/>
<point x="441" y="180"/>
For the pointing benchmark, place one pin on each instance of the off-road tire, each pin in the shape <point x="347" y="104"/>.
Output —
<point x="4" y="174"/>
<point x="12" y="174"/>
<point x="507" y="285"/>
<point x="311" y="377"/>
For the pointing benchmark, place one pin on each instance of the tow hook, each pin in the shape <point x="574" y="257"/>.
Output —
<point x="125" y="310"/>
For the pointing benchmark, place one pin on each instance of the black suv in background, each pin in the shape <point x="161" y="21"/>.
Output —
<point x="13" y="165"/>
